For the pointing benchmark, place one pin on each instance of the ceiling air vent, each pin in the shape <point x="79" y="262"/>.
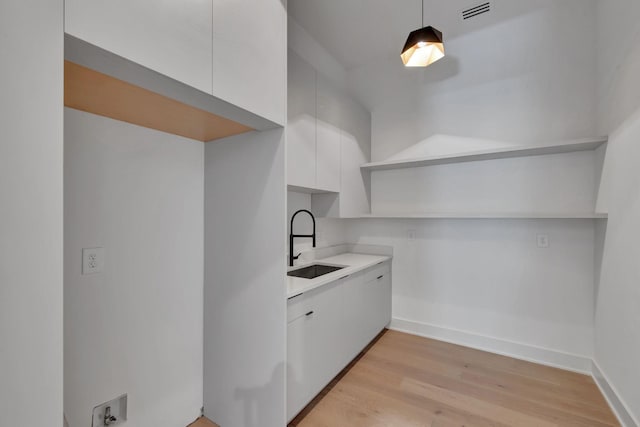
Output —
<point x="476" y="10"/>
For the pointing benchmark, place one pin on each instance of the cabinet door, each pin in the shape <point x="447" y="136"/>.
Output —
<point x="301" y="126"/>
<point x="355" y="151"/>
<point x="250" y="55"/>
<point x="173" y="38"/>
<point x="329" y="340"/>
<point x="371" y="315"/>
<point x="328" y="171"/>
<point x="328" y="120"/>
<point x="382" y="304"/>
<point x="355" y="309"/>
<point x="300" y="364"/>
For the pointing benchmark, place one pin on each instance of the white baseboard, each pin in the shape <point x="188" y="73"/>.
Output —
<point x="617" y="405"/>
<point x="543" y="356"/>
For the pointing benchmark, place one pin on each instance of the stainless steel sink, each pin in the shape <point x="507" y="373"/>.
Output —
<point x="313" y="271"/>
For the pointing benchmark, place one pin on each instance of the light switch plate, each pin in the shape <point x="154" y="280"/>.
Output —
<point x="118" y="409"/>
<point x="92" y="260"/>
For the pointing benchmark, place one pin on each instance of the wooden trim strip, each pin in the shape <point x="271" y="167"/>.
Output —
<point x="91" y="91"/>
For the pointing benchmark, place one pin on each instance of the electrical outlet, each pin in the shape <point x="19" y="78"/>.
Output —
<point x="92" y="260"/>
<point x="110" y="413"/>
<point x="411" y="235"/>
<point x="543" y="240"/>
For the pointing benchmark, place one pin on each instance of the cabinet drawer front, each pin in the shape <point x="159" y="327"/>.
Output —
<point x="375" y="272"/>
<point x="299" y="306"/>
<point x="307" y="303"/>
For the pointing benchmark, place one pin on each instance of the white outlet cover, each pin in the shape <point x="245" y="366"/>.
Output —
<point x="543" y="240"/>
<point x="92" y="260"/>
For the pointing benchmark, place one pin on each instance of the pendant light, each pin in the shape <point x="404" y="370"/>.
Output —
<point x="423" y="46"/>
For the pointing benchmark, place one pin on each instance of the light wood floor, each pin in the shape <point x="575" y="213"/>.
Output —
<point x="403" y="380"/>
<point x="203" y="422"/>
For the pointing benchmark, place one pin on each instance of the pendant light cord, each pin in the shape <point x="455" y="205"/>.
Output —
<point x="422" y="14"/>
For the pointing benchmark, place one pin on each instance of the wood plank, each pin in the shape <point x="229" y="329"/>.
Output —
<point x="530" y="399"/>
<point x="408" y="380"/>
<point x="382" y="381"/>
<point x="88" y="90"/>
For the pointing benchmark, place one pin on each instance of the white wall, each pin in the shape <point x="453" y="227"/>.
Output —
<point x="136" y="327"/>
<point x="618" y="55"/>
<point x="551" y="183"/>
<point x="526" y="75"/>
<point x="618" y="305"/>
<point x="489" y="278"/>
<point x="245" y="292"/>
<point x="31" y="213"/>
<point x="617" y="349"/>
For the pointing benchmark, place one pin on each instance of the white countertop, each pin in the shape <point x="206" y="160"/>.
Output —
<point x="353" y="263"/>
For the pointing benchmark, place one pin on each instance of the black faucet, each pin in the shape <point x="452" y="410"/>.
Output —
<point x="293" y="236"/>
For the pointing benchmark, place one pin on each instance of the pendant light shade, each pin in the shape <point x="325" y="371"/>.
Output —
<point x="423" y="47"/>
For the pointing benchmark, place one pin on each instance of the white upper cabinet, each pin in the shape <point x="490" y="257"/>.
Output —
<point x="173" y="38"/>
<point x="328" y="171"/>
<point x="355" y="191"/>
<point x="313" y="128"/>
<point x="328" y="134"/>
<point x="235" y="50"/>
<point x="353" y="200"/>
<point x="301" y="123"/>
<point x="250" y="55"/>
<point x="328" y="139"/>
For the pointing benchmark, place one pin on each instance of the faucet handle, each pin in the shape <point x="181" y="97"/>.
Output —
<point x="297" y="256"/>
<point x="108" y="418"/>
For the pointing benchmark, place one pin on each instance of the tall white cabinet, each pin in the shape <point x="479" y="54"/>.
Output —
<point x="234" y="50"/>
<point x="250" y="55"/>
<point x="172" y="38"/>
<point x="329" y="124"/>
<point x="301" y="123"/>
<point x="244" y="289"/>
<point x="31" y="176"/>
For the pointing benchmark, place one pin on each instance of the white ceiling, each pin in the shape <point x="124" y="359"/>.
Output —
<point x="357" y="32"/>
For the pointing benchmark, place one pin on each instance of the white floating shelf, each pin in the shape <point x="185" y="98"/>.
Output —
<point x="586" y="144"/>
<point x="309" y="190"/>
<point x="491" y="215"/>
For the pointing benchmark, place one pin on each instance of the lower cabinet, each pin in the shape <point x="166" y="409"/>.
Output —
<point x="380" y="312"/>
<point x="300" y="362"/>
<point x="329" y="326"/>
